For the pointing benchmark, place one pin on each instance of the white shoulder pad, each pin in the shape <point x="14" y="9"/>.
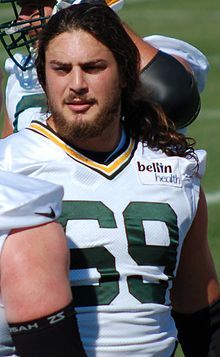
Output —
<point x="196" y="59"/>
<point x="24" y="96"/>
<point x="202" y="156"/>
<point x="10" y="65"/>
<point x="195" y="168"/>
<point x="27" y="80"/>
<point x="26" y="202"/>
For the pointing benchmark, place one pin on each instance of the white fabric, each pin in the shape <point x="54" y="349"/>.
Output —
<point x="24" y="95"/>
<point x="103" y="210"/>
<point x="22" y="196"/>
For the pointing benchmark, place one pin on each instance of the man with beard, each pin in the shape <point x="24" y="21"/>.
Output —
<point x="133" y="212"/>
<point x="163" y="77"/>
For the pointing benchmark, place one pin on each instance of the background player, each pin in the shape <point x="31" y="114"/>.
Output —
<point x="179" y="100"/>
<point x="133" y="210"/>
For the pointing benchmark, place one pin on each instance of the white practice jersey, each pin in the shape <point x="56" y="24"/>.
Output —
<point x="125" y="223"/>
<point x="24" y="202"/>
<point x="25" y="99"/>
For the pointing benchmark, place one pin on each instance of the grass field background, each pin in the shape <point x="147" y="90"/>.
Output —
<point x="196" y="22"/>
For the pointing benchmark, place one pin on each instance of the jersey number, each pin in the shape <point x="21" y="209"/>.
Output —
<point x="143" y="254"/>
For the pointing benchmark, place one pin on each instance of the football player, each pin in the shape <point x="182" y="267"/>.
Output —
<point x="133" y="210"/>
<point x="179" y="98"/>
<point x="35" y="291"/>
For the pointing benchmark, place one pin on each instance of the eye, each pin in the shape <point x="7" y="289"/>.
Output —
<point x="61" y="68"/>
<point x="94" y="67"/>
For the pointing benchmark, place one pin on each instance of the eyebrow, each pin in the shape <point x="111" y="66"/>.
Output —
<point x="59" y="63"/>
<point x="91" y="62"/>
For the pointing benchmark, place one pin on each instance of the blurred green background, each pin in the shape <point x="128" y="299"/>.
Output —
<point x="197" y="22"/>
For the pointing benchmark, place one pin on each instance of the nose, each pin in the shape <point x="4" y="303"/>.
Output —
<point x="78" y="83"/>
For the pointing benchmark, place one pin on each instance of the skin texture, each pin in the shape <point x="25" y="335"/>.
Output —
<point x="196" y="285"/>
<point x="46" y="286"/>
<point x="7" y="127"/>
<point x="83" y="88"/>
<point x="32" y="13"/>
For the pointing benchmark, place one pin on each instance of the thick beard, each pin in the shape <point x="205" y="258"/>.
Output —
<point x="70" y="130"/>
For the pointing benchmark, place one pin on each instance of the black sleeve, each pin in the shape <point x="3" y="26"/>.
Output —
<point x="199" y="333"/>
<point x="166" y="81"/>
<point x="55" y="335"/>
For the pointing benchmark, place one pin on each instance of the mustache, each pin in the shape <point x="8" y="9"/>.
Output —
<point x="73" y="98"/>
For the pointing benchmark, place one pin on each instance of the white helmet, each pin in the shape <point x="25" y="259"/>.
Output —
<point x="116" y="5"/>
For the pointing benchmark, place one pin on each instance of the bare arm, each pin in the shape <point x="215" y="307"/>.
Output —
<point x="7" y="128"/>
<point x="147" y="51"/>
<point x="196" y="285"/>
<point x="27" y="265"/>
<point x="36" y="293"/>
<point x="195" y="295"/>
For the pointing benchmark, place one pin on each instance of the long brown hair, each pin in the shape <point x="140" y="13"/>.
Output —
<point x="143" y="119"/>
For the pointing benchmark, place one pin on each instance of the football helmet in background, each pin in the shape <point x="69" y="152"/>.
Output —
<point x="20" y="35"/>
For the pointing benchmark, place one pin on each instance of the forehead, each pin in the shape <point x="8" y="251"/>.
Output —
<point x="77" y="45"/>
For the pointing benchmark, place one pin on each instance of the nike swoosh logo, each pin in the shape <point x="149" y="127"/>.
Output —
<point x="50" y="214"/>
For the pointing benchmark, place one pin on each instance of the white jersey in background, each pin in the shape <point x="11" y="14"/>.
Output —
<point x="125" y="223"/>
<point x="26" y="101"/>
<point x="23" y="202"/>
<point x="25" y="98"/>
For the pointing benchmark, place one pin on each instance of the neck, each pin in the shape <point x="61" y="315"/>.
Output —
<point x="107" y="141"/>
<point x="101" y="143"/>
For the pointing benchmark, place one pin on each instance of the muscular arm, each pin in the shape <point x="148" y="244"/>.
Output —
<point x="147" y="51"/>
<point x="196" y="284"/>
<point x="35" y="247"/>
<point x="36" y="293"/>
<point x="195" y="294"/>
